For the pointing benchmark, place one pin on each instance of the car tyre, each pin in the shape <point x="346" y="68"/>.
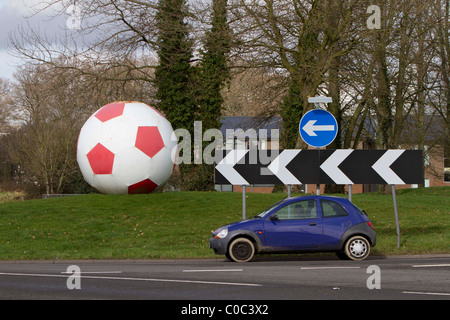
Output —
<point x="241" y="250"/>
<point x="357" y="248"/>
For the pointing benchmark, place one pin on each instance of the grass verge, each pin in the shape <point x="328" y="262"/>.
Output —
<point x="179" y="224"/>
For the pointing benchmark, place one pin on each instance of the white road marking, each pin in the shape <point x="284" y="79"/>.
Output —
<point x="94" y="272"/>
<point x="430" y="265"/>
<point x="428" y="293"/>
<point x="215" y="270"/>
<point x="135" y="279"/>
<point x="318" y="268"/>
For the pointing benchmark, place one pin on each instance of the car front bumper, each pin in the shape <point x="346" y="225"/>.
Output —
<point x="218" y="245"/>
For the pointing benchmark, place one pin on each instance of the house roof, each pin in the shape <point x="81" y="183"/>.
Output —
<point x="242" y="127"/>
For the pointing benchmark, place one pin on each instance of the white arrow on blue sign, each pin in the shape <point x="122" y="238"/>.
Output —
<point x="318" y="128"/>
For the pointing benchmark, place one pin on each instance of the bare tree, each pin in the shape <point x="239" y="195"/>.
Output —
<point x="5" y="105"/>
<point x="441" y="99"/>
<point x="50" y="105"/>
<point x="300" y="37"/>
<point x="108" y="34"/>
<point x="44" y="145"/>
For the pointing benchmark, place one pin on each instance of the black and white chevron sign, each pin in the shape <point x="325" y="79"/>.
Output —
<point x="346" y="166"/>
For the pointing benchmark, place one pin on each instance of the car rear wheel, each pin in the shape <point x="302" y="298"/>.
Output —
<point x="241" y="250"/>
<point x="357" y="248"/>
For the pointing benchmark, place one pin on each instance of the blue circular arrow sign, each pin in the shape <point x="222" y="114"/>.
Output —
<point x="318" y="128"/>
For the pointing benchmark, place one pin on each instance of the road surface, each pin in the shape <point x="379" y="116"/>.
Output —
<point x="267" y="278"/>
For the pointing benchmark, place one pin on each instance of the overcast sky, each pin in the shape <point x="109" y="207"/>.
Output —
<point x="14" y="13"/>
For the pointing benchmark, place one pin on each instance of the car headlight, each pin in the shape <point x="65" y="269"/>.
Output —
<point x="222" y="234"/>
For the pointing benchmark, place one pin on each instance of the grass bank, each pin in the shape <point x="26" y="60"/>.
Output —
<point x="178" y="224"/>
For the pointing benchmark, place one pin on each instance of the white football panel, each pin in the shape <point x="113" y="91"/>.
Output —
<point x="140" y="114"/>
<point x="118" y="134"/>
<point x="167" y="133"/>
<point x="162" y="166"/>
<point x="89" y="134"/>
<point x="108" y="184"/>
<point x="131" y="166"/>
<point x="85" y="168"/>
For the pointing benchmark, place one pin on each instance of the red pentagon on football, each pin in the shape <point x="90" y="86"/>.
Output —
<point x="110" y="111"/>
<point x="101" y="160"/>
<point x="149" y="140"/>
<point x="146" y="186"/>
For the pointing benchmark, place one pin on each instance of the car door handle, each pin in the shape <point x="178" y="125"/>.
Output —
<point x="313" y="224"/>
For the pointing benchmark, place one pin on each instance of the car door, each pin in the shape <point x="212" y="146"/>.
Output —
<point x="336" y="221"/>
<point x="295" y="226"/>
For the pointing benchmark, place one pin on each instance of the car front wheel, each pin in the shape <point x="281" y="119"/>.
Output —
<point x="357" y="248"/>
<point x="241" y="250"/>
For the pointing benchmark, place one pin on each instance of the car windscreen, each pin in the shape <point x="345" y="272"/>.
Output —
<point x="263" y="213"/>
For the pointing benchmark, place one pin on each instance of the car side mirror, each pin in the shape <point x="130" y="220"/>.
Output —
<point x="274" y="217"/>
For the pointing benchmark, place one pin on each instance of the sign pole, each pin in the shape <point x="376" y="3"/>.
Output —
<point x="318" y="185"/>
<point x="394" y="198"/>
<point x="350" y="192"/>
<point x="244" y="203"/>
<point x="289" y="190"/>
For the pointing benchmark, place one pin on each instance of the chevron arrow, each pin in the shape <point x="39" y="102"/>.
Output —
<point x="331" y="166"/>
<point x="226" y="167"/>
<point x="278" y="167"/>
<point x="382" y="166"/>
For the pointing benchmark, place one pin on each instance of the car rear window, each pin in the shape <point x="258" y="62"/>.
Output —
<point x="332" y="209"/>
<point x="361" y="212"/>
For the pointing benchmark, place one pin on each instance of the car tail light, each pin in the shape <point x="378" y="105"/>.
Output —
<point x="370" y="224"/>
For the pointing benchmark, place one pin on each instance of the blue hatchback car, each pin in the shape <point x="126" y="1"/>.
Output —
<point x="301" y="224"/>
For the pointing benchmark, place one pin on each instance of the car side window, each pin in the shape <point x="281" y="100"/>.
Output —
<point x="332" y="209"/>
<point x="305" y="209"/>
